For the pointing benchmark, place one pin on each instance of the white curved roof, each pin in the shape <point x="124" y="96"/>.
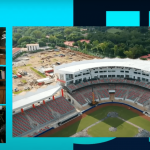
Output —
<point x="82" y="65"/>
<point x="30" y="98"/>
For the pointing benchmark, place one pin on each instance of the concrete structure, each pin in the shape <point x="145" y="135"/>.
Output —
<point x="104" y="68"/>
<point x="32" y="47"/>
<point x="16" y="51"/>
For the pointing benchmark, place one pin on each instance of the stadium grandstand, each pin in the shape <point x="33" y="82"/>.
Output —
<point x="80" y="86"/>
<point x="39" y="111"/>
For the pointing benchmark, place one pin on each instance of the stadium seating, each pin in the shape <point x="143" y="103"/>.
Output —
<point x="40" y="115"/>
<point x="60" y="105"/>
<point x="73" y="87"/>
<point x="145" y="97"/>
<point x="130" y="92"/>
<point x="90" y="96"/>
<point x="120" y="93"/>
<point x="103" y="93"/>
<point x="79" y="98"/>
<point x="20" y="124"/>
<point x="133" y="95"/>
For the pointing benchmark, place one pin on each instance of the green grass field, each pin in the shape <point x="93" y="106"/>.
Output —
<point x="113" y="30"/>
<point x="123" y="129"/>
<point x="100" y="114"/>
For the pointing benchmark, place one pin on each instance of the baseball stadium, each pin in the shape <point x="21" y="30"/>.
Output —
<point x="92" y="98"/>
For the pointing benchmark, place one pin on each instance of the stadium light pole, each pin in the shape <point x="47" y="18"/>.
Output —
<point x="93" y="101"/>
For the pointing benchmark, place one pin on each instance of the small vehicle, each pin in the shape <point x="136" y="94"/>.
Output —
<point x="16" y="89"/>
<point x="15" y="76"/>
<point x="57" y="63"/>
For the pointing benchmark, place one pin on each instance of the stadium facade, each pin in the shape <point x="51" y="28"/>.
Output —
<point x="104" y="68"/>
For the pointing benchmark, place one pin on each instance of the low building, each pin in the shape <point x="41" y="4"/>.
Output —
<point x="46" y="70"/>
<point x="32" y="47"/>
<point x="87" y="41"/>
<point x="146" y="56"/>
<point x="69" y="43"/>
<point x="16" y="51"/>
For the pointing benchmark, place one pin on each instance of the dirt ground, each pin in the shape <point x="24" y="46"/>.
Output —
<point x="46" y="59"/>
<point x="88" y="112"/>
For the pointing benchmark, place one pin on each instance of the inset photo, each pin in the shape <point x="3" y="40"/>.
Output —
<point x="2" y="85"/>
<point x="84" y="81"/>
<point x="2" y="124"/>
<point x="2" y="46"/>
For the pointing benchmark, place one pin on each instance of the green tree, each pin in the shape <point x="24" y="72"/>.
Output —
<point x="41" y="43"/>
<point x="129" y="54"/>
<point x="37" y="34"/>
<point x="24" y="39"/>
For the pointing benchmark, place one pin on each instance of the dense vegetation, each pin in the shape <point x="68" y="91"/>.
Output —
<point x="131" y="42"/>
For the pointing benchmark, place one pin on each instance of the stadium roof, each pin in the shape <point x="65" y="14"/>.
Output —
<point x="87" y="64"/>
<point x="30" y="98"/>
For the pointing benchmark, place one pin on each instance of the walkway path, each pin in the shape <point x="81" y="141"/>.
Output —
<point x="94" y="124"/>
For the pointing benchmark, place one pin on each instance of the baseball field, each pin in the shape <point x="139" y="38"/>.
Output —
<point x="124" y="129"/>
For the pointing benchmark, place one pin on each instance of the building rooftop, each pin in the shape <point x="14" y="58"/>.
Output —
<point x="21" y="101"/>
<point x="106" y="62"/>
<point x="87" y="41"/>
<point x="16" y="49"/>
<point x="69" y="43"/>
<point x="31" y="44"/>
<point x="146" y="56"/>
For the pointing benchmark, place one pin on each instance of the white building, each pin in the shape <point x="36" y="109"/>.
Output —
<point x="32" y="47"/>
<point x="103" y="68"/>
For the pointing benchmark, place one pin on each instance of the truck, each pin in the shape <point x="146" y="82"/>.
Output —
<point x="19" y="75"/>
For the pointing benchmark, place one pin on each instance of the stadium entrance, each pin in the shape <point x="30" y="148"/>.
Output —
<point x="111" y="95"/>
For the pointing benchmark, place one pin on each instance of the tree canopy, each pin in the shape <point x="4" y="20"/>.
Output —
<point x="131" y="42"/>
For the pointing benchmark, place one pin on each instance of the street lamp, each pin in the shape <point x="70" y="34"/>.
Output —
<point x="93" y="100"/>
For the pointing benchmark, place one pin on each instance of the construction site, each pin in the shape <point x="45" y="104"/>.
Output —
<point x="35" y="70"/>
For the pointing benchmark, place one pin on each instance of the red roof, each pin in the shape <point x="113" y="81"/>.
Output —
<point x="16" y="49"/>
<point x="146" y="56"/>
<point x="69" y="43"/>
<point x="87" y="41"/>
